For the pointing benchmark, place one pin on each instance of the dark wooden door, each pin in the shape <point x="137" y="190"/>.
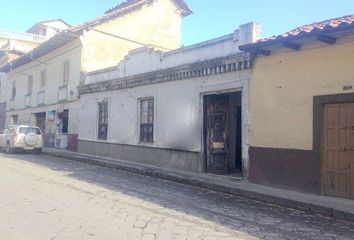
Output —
<point x="217" y="133"/>
<point x="40" y="121"/>
<point x="338" y="150"/>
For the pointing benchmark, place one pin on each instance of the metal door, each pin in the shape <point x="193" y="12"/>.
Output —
<point x="217" y="108"/>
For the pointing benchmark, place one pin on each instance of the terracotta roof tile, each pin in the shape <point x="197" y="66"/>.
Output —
<point x="329" y="24"/>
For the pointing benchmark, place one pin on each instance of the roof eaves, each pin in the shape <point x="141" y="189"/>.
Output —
<point x="186" y="10"/>
<point x="268" y="42"/>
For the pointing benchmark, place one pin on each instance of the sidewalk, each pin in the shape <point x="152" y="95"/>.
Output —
<point x="335" y="207"/>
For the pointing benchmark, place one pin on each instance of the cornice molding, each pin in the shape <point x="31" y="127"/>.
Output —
<point x="206" y="68"/>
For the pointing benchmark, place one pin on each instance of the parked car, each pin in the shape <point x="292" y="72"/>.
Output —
<point x="21" y="137"/>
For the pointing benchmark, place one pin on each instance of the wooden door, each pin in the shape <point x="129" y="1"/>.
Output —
<point x="217" y="133"/>
<point x="338" y="150"/>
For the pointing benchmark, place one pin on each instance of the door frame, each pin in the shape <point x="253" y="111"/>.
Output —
<point x="244" y="127"/>
<point x="319" y="103"/>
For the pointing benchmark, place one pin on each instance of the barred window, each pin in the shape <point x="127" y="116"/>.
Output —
<point x="147" y="120"/>
<point x="102" y="120"/>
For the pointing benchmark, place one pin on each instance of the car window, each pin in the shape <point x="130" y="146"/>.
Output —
<point x="26" y="130"/>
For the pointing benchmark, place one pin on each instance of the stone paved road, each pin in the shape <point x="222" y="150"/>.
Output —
<point x="49" y="198"/>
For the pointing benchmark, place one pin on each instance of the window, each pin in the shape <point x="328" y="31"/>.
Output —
<point x="15" y="119"/>
<point x="43" y="78"/>
<point x="13" y="95"/>
<point x="147" y="120"/>
<point x="30" y="84"/>
<point x="27" y="130"/>
<point x="66" y="69"/>
<point x="102" y="120"/>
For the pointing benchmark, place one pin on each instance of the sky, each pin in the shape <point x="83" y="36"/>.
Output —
<point x="210" y="18"/>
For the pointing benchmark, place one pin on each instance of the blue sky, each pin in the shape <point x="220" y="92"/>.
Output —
<point x="210" y="19"/>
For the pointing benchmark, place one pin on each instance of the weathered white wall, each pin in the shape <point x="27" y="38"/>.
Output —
<point x="178" y="111"/>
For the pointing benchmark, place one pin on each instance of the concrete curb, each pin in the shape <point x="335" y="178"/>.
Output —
<point x="215" y="185"/>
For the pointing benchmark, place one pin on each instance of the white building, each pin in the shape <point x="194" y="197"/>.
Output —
<point x="185" y="109"/>
<point x="42" y="84"/>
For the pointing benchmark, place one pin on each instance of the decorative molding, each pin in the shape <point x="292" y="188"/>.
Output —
<point x="206" y="68"/>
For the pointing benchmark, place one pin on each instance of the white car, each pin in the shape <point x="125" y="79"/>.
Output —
<point x="21" y="137"/>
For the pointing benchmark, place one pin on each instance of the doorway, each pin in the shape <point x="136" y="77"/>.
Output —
<point x="223" y="133"/>
<point x="40" y="121"/>
<point x="338" y="150"/>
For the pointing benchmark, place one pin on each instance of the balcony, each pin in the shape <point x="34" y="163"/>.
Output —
<point x="10" y="34"/>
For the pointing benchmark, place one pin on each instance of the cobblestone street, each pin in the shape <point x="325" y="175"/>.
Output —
<point x="49" y="198"/>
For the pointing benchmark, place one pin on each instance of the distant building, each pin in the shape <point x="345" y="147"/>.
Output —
<point x="49" y="28"/>
<point x="14" y="44"/>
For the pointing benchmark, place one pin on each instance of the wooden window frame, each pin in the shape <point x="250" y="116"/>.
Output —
<point x="102" y="131"/>
<point x="146" y="124"/>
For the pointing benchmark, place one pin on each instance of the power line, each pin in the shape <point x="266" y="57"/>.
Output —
<point x="129" y="40"/>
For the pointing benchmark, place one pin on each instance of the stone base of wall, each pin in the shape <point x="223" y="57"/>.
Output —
<point x="72" y="142"/>
<point x="166" y="158"/>
<point x="49" y="140"/>
<point x="298" y="170"/>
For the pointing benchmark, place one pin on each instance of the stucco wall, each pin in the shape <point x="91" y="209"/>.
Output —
<point x="178" y="120"/>
<point x="158" y="23"/>
<point x="178" y="111"/>
<point x="53" y="64"/>
<point x="283" y="86"/>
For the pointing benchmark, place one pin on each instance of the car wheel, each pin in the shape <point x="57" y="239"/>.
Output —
<point x="8" y="148"/>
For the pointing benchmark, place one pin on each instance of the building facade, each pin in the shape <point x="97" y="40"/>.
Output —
<point x="302" y="109"/>
<point x="43" y="83"/>
<point x="14" y="44"/>
<point x="185" y="109"/>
